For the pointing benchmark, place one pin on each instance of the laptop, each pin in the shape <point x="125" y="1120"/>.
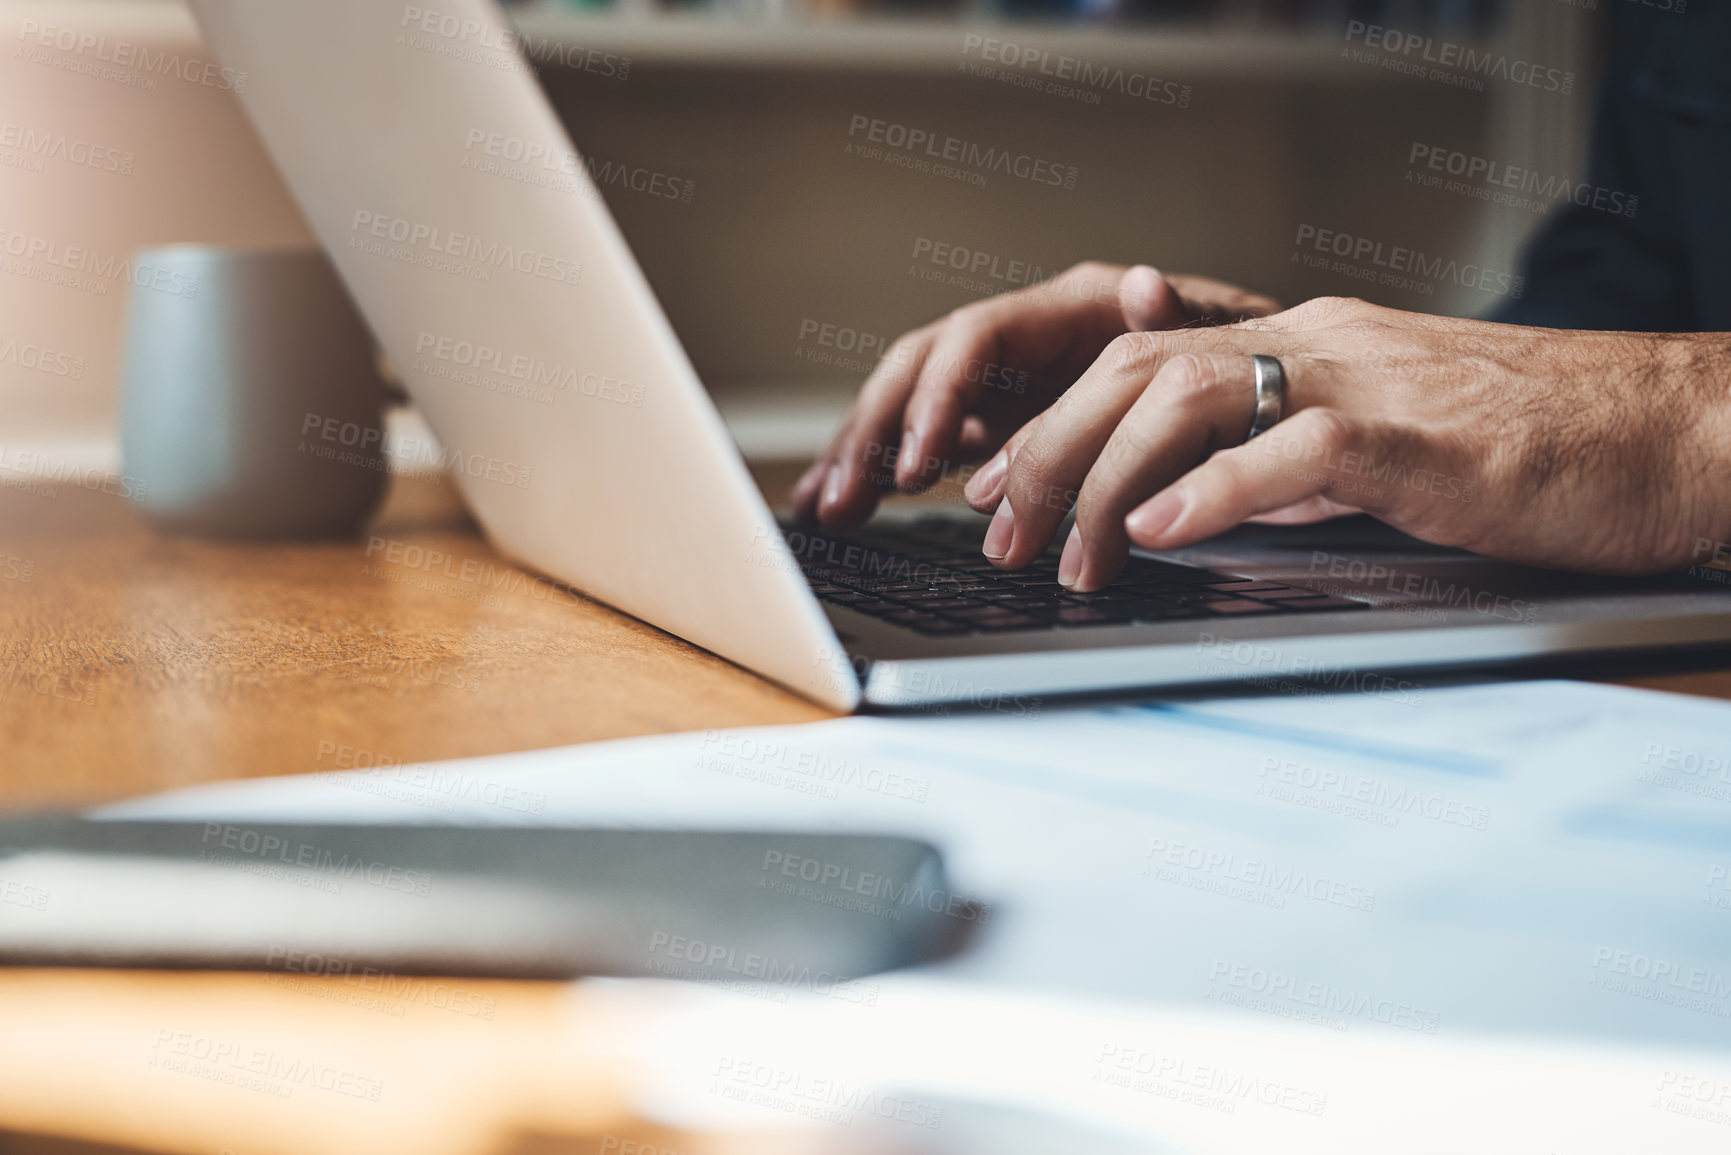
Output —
<point x="465" y="225"/>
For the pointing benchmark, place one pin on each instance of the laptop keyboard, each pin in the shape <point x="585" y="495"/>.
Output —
<point x="931" y="578"/>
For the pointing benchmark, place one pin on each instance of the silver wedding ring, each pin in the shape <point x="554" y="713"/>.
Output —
<point x="1270" y="394"/>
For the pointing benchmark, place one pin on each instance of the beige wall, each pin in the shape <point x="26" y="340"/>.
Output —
<point x="190" y="170"/>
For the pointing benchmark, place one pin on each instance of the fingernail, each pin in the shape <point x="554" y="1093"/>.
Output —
<point x="1000" y="533"/>
<point x="1155" y="515"/>
<point x="832" y="489"/>
<point x="910" y="458"/>
<point x="985" y="480"/>
<point x="808" y="479"/>
<point x="1070" y="564"/>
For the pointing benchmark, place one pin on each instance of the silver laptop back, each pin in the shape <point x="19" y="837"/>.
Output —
<point x="430" y="165"/>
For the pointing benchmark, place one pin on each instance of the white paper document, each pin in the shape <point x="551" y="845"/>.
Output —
<point x="1489" y="918"/>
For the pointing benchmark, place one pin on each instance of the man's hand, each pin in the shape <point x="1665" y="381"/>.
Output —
<point x="1592" y="451"/>
<point x="951" y="392"/>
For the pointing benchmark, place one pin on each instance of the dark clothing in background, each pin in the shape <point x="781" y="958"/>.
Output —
<point x="1662" y="133"/>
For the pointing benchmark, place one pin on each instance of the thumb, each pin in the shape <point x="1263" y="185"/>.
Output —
<point x="1148" y="300"/>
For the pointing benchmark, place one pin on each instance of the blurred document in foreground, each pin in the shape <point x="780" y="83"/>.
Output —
<point x="1487" y="918"/>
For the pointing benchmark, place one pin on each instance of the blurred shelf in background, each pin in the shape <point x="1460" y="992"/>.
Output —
<point x="1299" y="39"/>
<point x="1320" y="17"/>
<point x="925" y="47"/>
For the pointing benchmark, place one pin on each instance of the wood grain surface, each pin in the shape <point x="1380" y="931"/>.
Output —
<point x="131" y="661"/>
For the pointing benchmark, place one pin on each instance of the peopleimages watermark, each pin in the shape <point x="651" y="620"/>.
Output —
<point x="431" y="784"/>
<point x="84" y="269"/>
<point x="1694" y="1096"/>
<point x="515" y="373"/>
<point x="1718" y="887"/>
<point x="839" y="346"/>
<point x="42" y="466"/>
<point x="753" y="756"/>
<point x="28" y="148"/>
<point x="625" y="1145"/>
<point x="1059" y="74"/>
<point x="1209" y="1085"/>
<point x="262" y="852"/>
<point x="1428" y="589"/>
<point x="1351" y="472"/>
<point x="881" y="459"/>
<point x="851" y="350"/>
<point x="496" y="45"/>
<point x="833" y="555"/>
<point x="823" y="1099"/>
<point x="62" y="685"/>
<point x="1396" y="266"/>
<point x="41" y="359"/>
<point x="924" y="150"/>
<point x="24" y="894"/>
<point x="1362" y="796"/>
<point x="1712" y="561"/>
<point x="351" y="443"/>
<point x="846" y="887"/>
<point x="1661" y="980"/>
<point x="466" y="255"/>
<point x="253" y="1068"/>
<point x="1448" y="62"/>
<point x="398" y="990"/>
<point x="1263" y="664"/>
<point x="1251" y="880"/>
<point x="560" y="169"/>
<point x="477" y="577"/>
<point x="1325" y="1004"/>
<point x="974" y="270"/>
<point x="122" y="61"/>
<point x="1479" y="178"/>
<point x="683" y="957"/>
<point x="1687" y="771"/>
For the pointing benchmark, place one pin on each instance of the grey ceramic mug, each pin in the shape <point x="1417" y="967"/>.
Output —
<point x="251" y="401"/>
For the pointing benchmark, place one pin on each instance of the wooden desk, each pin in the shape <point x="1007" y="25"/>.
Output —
<point x="134" y="662"/>
<point x="131" y="662"/>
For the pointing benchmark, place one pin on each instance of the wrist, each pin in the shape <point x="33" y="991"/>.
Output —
<point x="1700" y="366"/>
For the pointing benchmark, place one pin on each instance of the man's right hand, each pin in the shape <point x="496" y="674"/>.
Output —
<point x="954" y="391"/>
